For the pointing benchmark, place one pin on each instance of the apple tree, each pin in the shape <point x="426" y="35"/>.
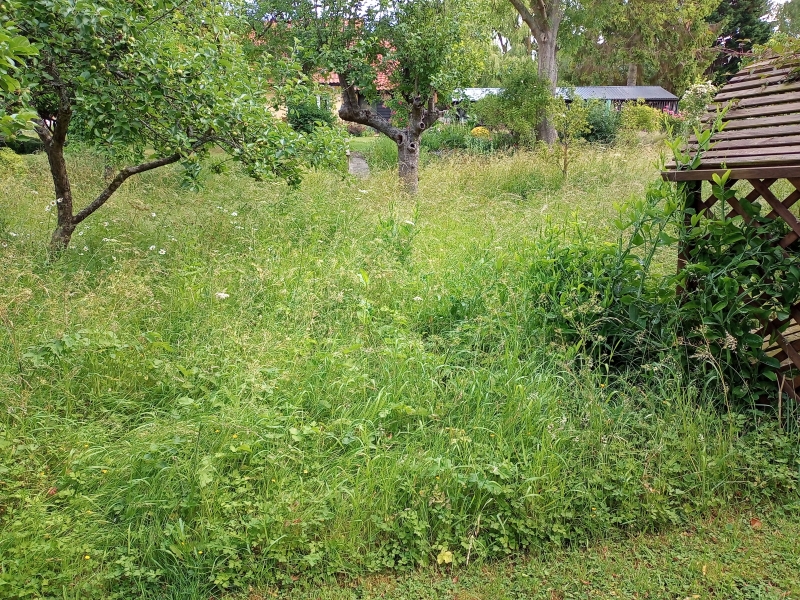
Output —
<point x="152" y="83"/>
<point x="414" y="52"/>
<point x="14" y="49"/>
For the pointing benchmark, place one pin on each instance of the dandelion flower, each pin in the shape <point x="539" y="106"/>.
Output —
<point x="162" y="251"/>
<point x="87" y="557"/>
<point x="235" y="435"/>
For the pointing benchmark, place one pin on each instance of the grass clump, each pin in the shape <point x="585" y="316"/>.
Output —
<point x="333" y="381"/>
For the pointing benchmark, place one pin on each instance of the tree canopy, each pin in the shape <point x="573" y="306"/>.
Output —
<point x="14" y="49"/>
<point x="640" y="42"/>
<point x="416" y="52"/>
<point x="741" y="26"/>
<point x="788" y="18"/>
<point x="155" y="82"/>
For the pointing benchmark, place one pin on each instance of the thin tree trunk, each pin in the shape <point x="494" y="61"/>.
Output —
<point x="633" y="74"/>
<point x="548" y="71"/>
<point x="543" y="18"/>
<point x="65" y="224"/>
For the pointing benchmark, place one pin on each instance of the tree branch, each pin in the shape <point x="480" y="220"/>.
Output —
<point x="64" y="115"/>
<point x="351" y="110"/>
<point x="528" y="17"/>
<point x="124" y="174"/>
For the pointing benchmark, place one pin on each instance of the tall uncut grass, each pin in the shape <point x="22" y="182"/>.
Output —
<point x="253" y="384"/>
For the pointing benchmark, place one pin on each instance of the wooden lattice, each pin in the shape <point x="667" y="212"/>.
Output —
<point x="760" y="144"/>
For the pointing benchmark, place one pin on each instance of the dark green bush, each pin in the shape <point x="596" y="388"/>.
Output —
<point x="446" y="137"/>
<point x="307" y="117"/>
<point x="604" y="122"/>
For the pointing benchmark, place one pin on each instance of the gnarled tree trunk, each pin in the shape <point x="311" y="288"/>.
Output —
<point x="422" y="115"/>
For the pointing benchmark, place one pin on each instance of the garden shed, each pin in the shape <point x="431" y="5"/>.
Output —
<point x="759" y="145"/>
<point x="617" y="95"/>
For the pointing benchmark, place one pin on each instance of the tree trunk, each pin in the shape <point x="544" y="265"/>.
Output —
<point x="422" y="114"/>
<point x="543" y="18"/>
<point x="548" y="71"/>
<point x="633" y="74"/>
<point x="65" y="222"/>
<point x="408" y="161"/>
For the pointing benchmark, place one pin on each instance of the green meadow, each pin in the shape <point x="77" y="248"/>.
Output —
<point x="341" y="391"/>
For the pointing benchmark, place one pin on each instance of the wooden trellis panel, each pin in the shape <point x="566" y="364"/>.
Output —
<point x="760" y="144"/>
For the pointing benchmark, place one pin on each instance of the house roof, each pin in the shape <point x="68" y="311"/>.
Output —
<point x="620" y="92"/>
<point x="382" y="82"/>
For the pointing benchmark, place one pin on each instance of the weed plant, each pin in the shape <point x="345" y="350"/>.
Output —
<point x="258" y="385"/>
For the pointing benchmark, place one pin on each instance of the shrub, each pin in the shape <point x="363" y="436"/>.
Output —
<point x="10" y="163"/>
<point x="638" y="116"/>
<point x="603" y="121"/>
<point x="309" y="116"/>
<point x="693" y="105"/>
<point x="521" y="105"/>
<point x="481" y="133"/>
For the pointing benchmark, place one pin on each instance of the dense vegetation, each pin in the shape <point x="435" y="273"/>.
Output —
<point x="317" y="385"/>
<point x="338" y="380"/>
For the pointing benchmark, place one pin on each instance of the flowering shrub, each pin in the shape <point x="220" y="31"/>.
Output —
<point x="481" y="132"/>
<point x="693" y="104"/>
<point x="674" y="121"/>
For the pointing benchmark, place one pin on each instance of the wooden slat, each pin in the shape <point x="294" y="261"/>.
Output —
<point x="764" y="142"/>
<point x="787" y="61"/>
<point x="741" y="173"/>
<point x="743" y="134"/>
<point x="759" y="101"/>
<point x="736" y="124"/>
<point x="758" y="91"/>
<point x="754" y="83"/>
<point x="752" y="161"/>
<point x="757" y="111"/>
<point x="765" y="72"/>
<point x="750" y="151"/>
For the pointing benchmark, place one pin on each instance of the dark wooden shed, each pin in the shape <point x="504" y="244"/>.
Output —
<point x="760" y="144"/>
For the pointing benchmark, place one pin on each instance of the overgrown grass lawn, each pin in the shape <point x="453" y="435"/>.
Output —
<point x="258" y="386"/>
